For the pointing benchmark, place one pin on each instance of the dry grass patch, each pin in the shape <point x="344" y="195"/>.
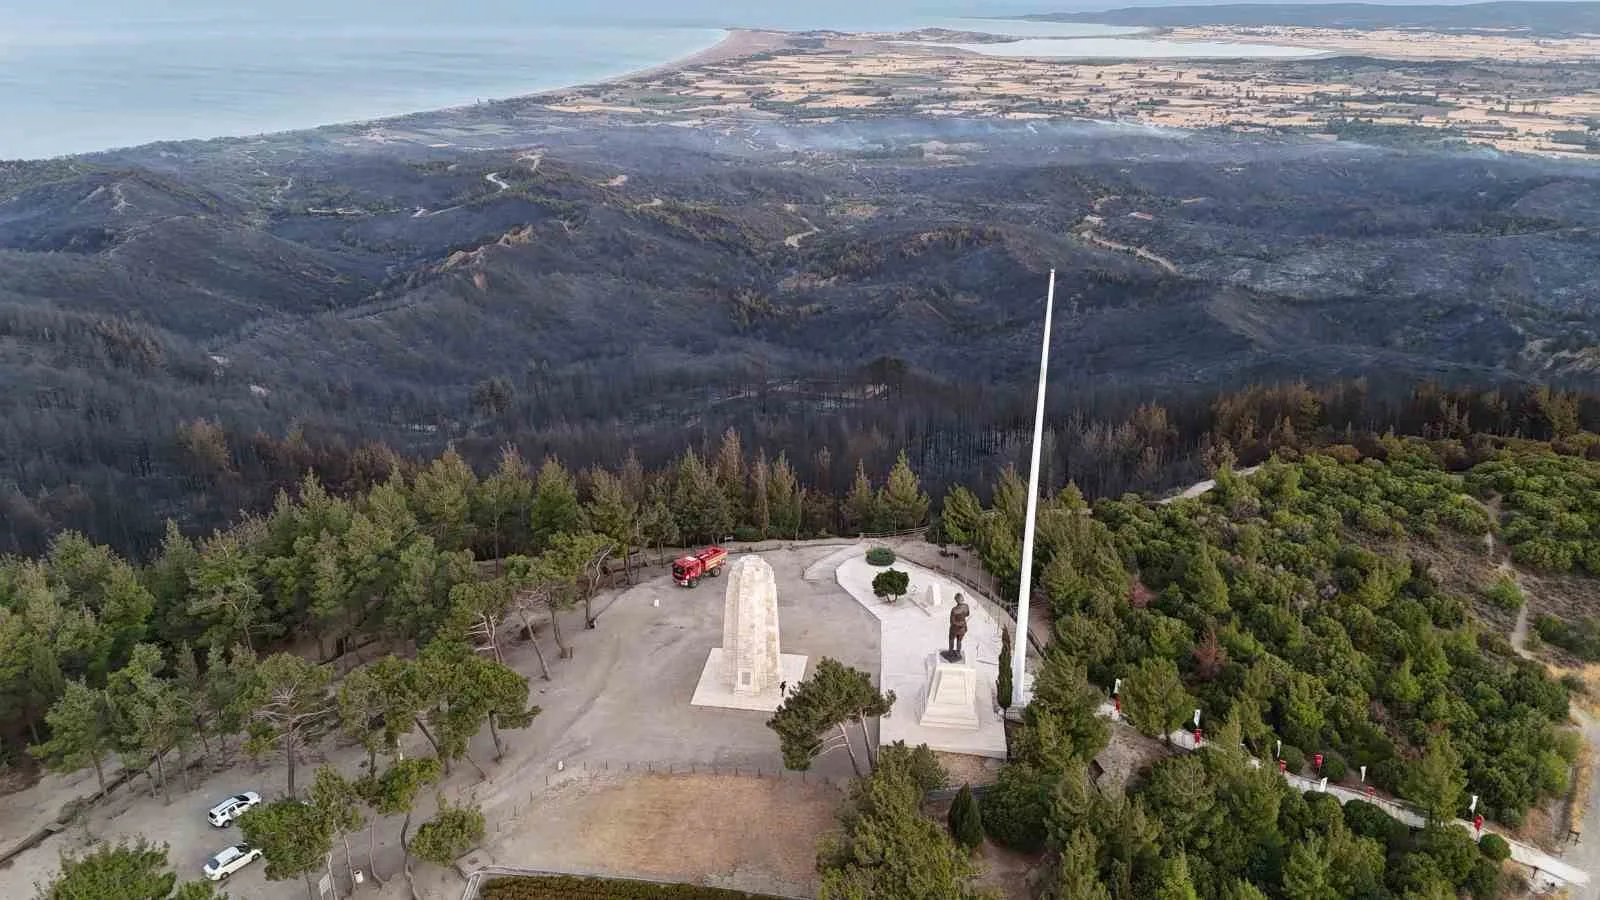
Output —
<point x="756" y="834"/>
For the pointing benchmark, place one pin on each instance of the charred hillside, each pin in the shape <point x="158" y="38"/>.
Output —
<point x="635" y="281"/>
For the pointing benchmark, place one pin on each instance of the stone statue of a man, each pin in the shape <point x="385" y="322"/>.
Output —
<point x="958" y="628"/>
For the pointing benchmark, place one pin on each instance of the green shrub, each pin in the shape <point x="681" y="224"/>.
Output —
<point x="1295" y="758"/>
<point x="1581" y="640"/>
<point x="1486" y="881"/>
<point x="966" y="820"/>
<point x="1368" y="821"/>
<point x="1505" y="594"/>
<point x="890" y="583"/>
<point x="1451" y="848"/>
<point x="1334" y="767"/>
<point x="1495" y="847"/>
<point x="1014" y="808"/>
<point x="567" y="887"/>
<point x="880" y="556"/>
<point x="747" y="533"/>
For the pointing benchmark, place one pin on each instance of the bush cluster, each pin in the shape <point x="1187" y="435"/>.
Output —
<point x="1581" y="638"/>
<point x="1552" y="505"/>
<point x="880" y="556"/>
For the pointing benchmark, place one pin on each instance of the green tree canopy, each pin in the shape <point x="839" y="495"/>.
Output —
<point x="294" y="838"/>
<point x="451" y="832"/>
<point x="822" y="704"/>
<point x="122" y="871"/>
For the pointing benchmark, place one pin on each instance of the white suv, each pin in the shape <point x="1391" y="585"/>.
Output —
<point x="225" y="812"/>
<point x="230" y="860"/>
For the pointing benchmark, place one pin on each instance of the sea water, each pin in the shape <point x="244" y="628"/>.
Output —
<point x="94" y="74"/>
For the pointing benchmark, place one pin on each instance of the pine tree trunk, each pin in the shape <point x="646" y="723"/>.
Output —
<point x="161" y="773"/>
<point x="866" y="741"/>
<point x="183" y="764"/>
<point x="534" y="639"/>
<point x="311" y="889"/>
<point x="433" y="743"/>
<point x="99" y="773"/>
<point x="499" y="751"/>
<point x="288" y="753"/>
<point x="555" y="627"/>
<point x="482" y="775"/>
<point x="854" y="763"/>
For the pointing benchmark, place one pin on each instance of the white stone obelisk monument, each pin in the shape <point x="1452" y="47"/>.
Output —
<point x="748" y="670"/>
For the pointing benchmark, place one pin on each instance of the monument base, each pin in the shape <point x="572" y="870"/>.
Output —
<point x="715" y="688"/>
<point x="952" y="656"/>
<point x="952" y="697"/>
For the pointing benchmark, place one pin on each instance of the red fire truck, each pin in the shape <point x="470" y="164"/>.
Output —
<point x="688" y="570"/>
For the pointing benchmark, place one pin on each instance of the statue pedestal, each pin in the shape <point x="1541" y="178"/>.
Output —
<point x="952" y="696"/>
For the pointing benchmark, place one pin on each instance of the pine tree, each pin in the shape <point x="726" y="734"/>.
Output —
<point x="395" y="792"/>
<point x="82" y="732"/>
<point x="885" y="847"/>
<point x="699" y="505"/>
<point x="961" y="515"/>
<point x="555" y="504"/>
<point x="337" y="799"/>
<point x="611" y="513"/>
<point x="1154" y="698"/>
<point x="1305" y="876"/>
<point x="503" y="508"/>
<point x="295" y="838"/>
<point x="633" y="479"/>
<point x="124" y="871"/>
<point x="813" y="717"/>
<point x="861" y="506"/>
<point x="784" y="499"/>
<point x="1176" y="884"/>
<point x="1437" y="781"/>
<point x="448" y="836"/>
<point x="289" y="707"/>
<point x="442" y="496"/>
<point x="1077" y="873"/>
<point x="1204" y="581"/>
<point x="729" y="472"/>
<point x="965" y="820"/>
<point x="1242" y="890"/>
<point x="760" y="505"/>
<point x="1003" y="687"/>
<point x="902" y="504"/>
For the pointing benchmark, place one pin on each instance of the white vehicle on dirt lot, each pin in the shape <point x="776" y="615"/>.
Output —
<point x="223" y="814"/>
<point x="230" y="860"/>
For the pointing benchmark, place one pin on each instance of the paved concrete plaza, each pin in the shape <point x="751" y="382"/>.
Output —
<point x="909" y="637"/>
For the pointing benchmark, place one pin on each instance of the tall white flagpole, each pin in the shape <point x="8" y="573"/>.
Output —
<point x="1020" y="655"/>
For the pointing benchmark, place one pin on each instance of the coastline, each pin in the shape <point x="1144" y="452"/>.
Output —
<point x="735" y="43"/>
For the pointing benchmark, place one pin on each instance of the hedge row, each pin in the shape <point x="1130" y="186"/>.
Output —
<point x="569" y="887"/>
